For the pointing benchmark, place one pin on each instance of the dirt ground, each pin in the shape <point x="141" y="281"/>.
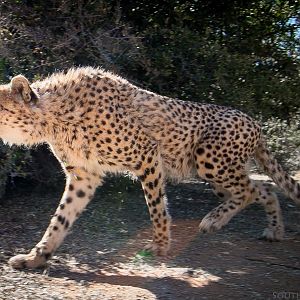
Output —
<point x="101" y="257"/>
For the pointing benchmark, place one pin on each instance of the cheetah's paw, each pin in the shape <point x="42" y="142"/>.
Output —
<point x="273" y="234"/>
<point x="211" y="224"/>
<point x="31" y="260"/>
<point x="156" y="249"/>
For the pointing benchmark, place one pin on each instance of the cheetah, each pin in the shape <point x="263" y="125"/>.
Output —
<point x="97" y="123"/>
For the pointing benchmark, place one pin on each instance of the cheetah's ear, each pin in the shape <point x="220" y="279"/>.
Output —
<point x="20" y="87"/>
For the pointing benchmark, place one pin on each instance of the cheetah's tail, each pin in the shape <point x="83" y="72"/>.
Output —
<point x="271" y="166"/>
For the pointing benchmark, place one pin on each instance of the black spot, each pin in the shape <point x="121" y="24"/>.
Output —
<point x="150" y="185"/>
<point x="67" y="224"/>
<point x="138" y="165"/>
<point x="80" y="193"/>
<point x="61" y="219"/>
<point x="200" y="151"/>
<point x="69" y="200"/>
<point x="142" y="178"/>
<point x="208" y="166"/>
<point x="210" y="176"/>
<point x="71" y="187"/>
<point x="221" y="172"/>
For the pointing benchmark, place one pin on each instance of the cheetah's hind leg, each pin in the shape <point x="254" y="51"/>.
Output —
<point x="220" y="192"/>
<point x="269" y="200"/>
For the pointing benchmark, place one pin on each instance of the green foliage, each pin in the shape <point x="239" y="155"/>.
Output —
<point x="201" y="69"/>
<point x="5" y="167"/>
<point x="14" y="163"/>
<point x="143" y="256"/>
<point x="35" y="167"/>
<point x="284" y="140"/>
<point x="2" y="70"/>
<point x="39" y="37"/>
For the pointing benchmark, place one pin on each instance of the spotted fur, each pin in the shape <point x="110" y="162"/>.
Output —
<point x="96" y="122"/>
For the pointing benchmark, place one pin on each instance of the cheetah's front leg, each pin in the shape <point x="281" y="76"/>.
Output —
<point x="80" y="187"/>
<point x="154" y="190"/>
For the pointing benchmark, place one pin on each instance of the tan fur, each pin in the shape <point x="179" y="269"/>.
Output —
<point x="96" y="122"/>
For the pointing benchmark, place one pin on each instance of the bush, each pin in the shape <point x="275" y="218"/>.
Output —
<point x="14" y="163"/>
<point x="33" y="167"/>
<point x="284" y="140"/>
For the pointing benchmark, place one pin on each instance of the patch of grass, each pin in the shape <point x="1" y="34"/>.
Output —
<point x="143" y="256"/>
